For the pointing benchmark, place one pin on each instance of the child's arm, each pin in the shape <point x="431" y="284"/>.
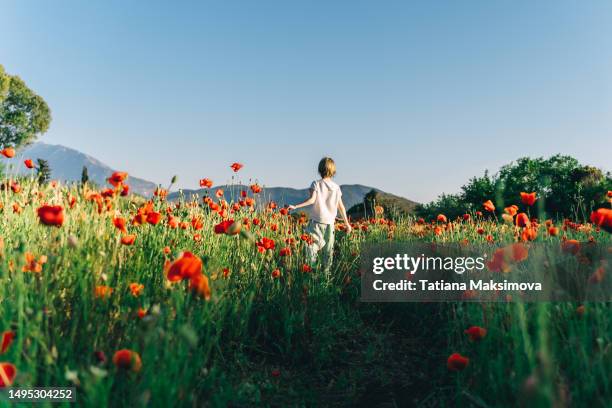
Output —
<point x="344" y="217"/>
<point x="310" y="201"/>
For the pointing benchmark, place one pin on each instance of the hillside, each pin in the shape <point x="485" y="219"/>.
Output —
<point x="394" y="206"/>
<point x="67" y="164"/>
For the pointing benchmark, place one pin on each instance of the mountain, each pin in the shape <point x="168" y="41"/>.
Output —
<point x="67" y="164"/>
<point x="351" y="194"/>
<point x="393" y="206"/>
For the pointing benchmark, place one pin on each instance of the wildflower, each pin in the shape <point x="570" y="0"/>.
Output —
<point x="128" y="239"/>
<point x="185" y="267"/>
<point x="125" y="190"/>
<point x="571" y="246"/>
<point x="286" y="251"/>
<point x="276" y="273"/>
<point x="466" y="217"/>
<point x="141" y="313"/>
<point x="476" y="333"/>
<point x="154" y="218"/>
<point x="102" y="292"/>
<point x="51" y="215"/>
<point x="553" y="231"/>
<point x="528" y="198"/>
<point x="580" y="310"/>
<point x="441" y="218"/>
<point x="306" y="268"/>
<point x="33" y="265"/>
<point x="602" y="217"/>
<point x="529" y="234"/>
<point x="119" y="223"/>
<point x="136" y="289"/>
<point x="511" y="210"/>
<point x="457" y="362"/>
<point x="200" y="286"/>
<point x="236" y="167"/>
<point x="7" y="338"/>
<point x="522" y="220"/>
<point x="7" y="374"/>
<point x="488" y="206"/>
<point x="265" y="244"/>
<point x="206" y="183"/>
<point x="8" y="152"/>
<point x="29" y="163"/>
<point x="126" y="359"/>
<point x="117" y="178"/>
<point x="255" y="188"/>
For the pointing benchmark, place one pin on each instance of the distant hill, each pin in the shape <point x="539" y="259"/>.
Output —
<point x="394" y="206"/>
<point x="67" y="164"/>
<point x="351" y="194"/>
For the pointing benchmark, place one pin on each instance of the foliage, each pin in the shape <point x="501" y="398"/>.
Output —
<point x="564" y="188"/>
<point x="43" y="171"/>
<point x="23" y="114"/>
<point x="84" y="175"/>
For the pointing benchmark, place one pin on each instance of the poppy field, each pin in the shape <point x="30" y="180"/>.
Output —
<point x="150" y="302"/>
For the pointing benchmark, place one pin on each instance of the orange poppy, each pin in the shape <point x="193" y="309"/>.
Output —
<point x="8" y="152"/>
<point x="511" y="210"/>
<point x="33" y="265"/>
<point x="185" y="267"/>
<point x="488" y="206"/>
<point x="255" y="188"/>
<point x="522" y="220"/>
<point x="528" y="198"/>
<point x="117" y="178"/>
<point x="29" y="163"/>
<point x="441" y="218"/>
<point x="206" y="183"/>
<point x="51" y="215"/>
<point x="102" y="292"/>
<point x="126" y="359"/>
<point x="136" y="289"/>
<point x="236" y="167"/>
<point x="119" y="223"/>
<point x="199" y="285"/>
<point x="128" y="239"/>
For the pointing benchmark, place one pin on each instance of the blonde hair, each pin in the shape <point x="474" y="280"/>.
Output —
<point x="327" y="167"/>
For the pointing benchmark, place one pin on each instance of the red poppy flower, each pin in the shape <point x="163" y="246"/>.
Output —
<point x="511" y="210"/>
<point x="276" y="273"/>
<point x="529" y="234"/>
<point x="466" y="217"/>
<point x="602" y="217"/>
<point x="306" y="268"/>
<point x="7" y="374"/>
<point x="522" y="220"/>
<point x="7" y="338"/>
<point x="102" y="292"/>
<point x="51" y="215"/>
<point x="488" y="206"/>
<point x="223" y="226"/>
<point x="126" y="359"/>
<point x="528" y="198"/>
<point x="206" y="183"/>
<point x="185" y="267"/>
<point x="117" y="178"/>
<point x="441" y="218"/>
<point x="199" y="285"/>
<point x="29" y="163"/>
<point x="8" y="152"/>
<point x="136" y="289"/>
<point x="128" y="239"/>
<point x="119" y="222"/>
<point x="265" y="244"/>
<point x="154" y="218"/>
<point x="236" y="167"/>
<point x="571" y="246"/>
<point x="286" y="251"/>
<point x="125" y="190"/>
<point x="476" y="333"/>
<point x="553" y="231"/>
<point x="457" y="362"/>
<point x="255" y="188"/>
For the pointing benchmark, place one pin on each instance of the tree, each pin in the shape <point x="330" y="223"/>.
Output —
<point x="23" y="114"/>
<point x="43" y="171"/>
<point x="84" y="175"/>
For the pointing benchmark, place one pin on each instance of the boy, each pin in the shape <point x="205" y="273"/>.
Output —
<point x="326" y="200"/>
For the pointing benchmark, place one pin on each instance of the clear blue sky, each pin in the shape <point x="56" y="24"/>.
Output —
<point x="410" y="97"/>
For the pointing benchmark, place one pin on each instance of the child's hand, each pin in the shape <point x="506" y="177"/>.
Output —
<point x="291" y="207"/>
<point x="349" y="229"/>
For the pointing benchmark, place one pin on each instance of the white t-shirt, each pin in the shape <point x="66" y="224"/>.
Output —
<point x="327" y="197"/>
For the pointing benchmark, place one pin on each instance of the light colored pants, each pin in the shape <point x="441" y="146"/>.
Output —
<point x="322" y="240"/>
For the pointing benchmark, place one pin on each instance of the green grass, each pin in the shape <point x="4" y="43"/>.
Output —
<point x="295" y="340"/>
